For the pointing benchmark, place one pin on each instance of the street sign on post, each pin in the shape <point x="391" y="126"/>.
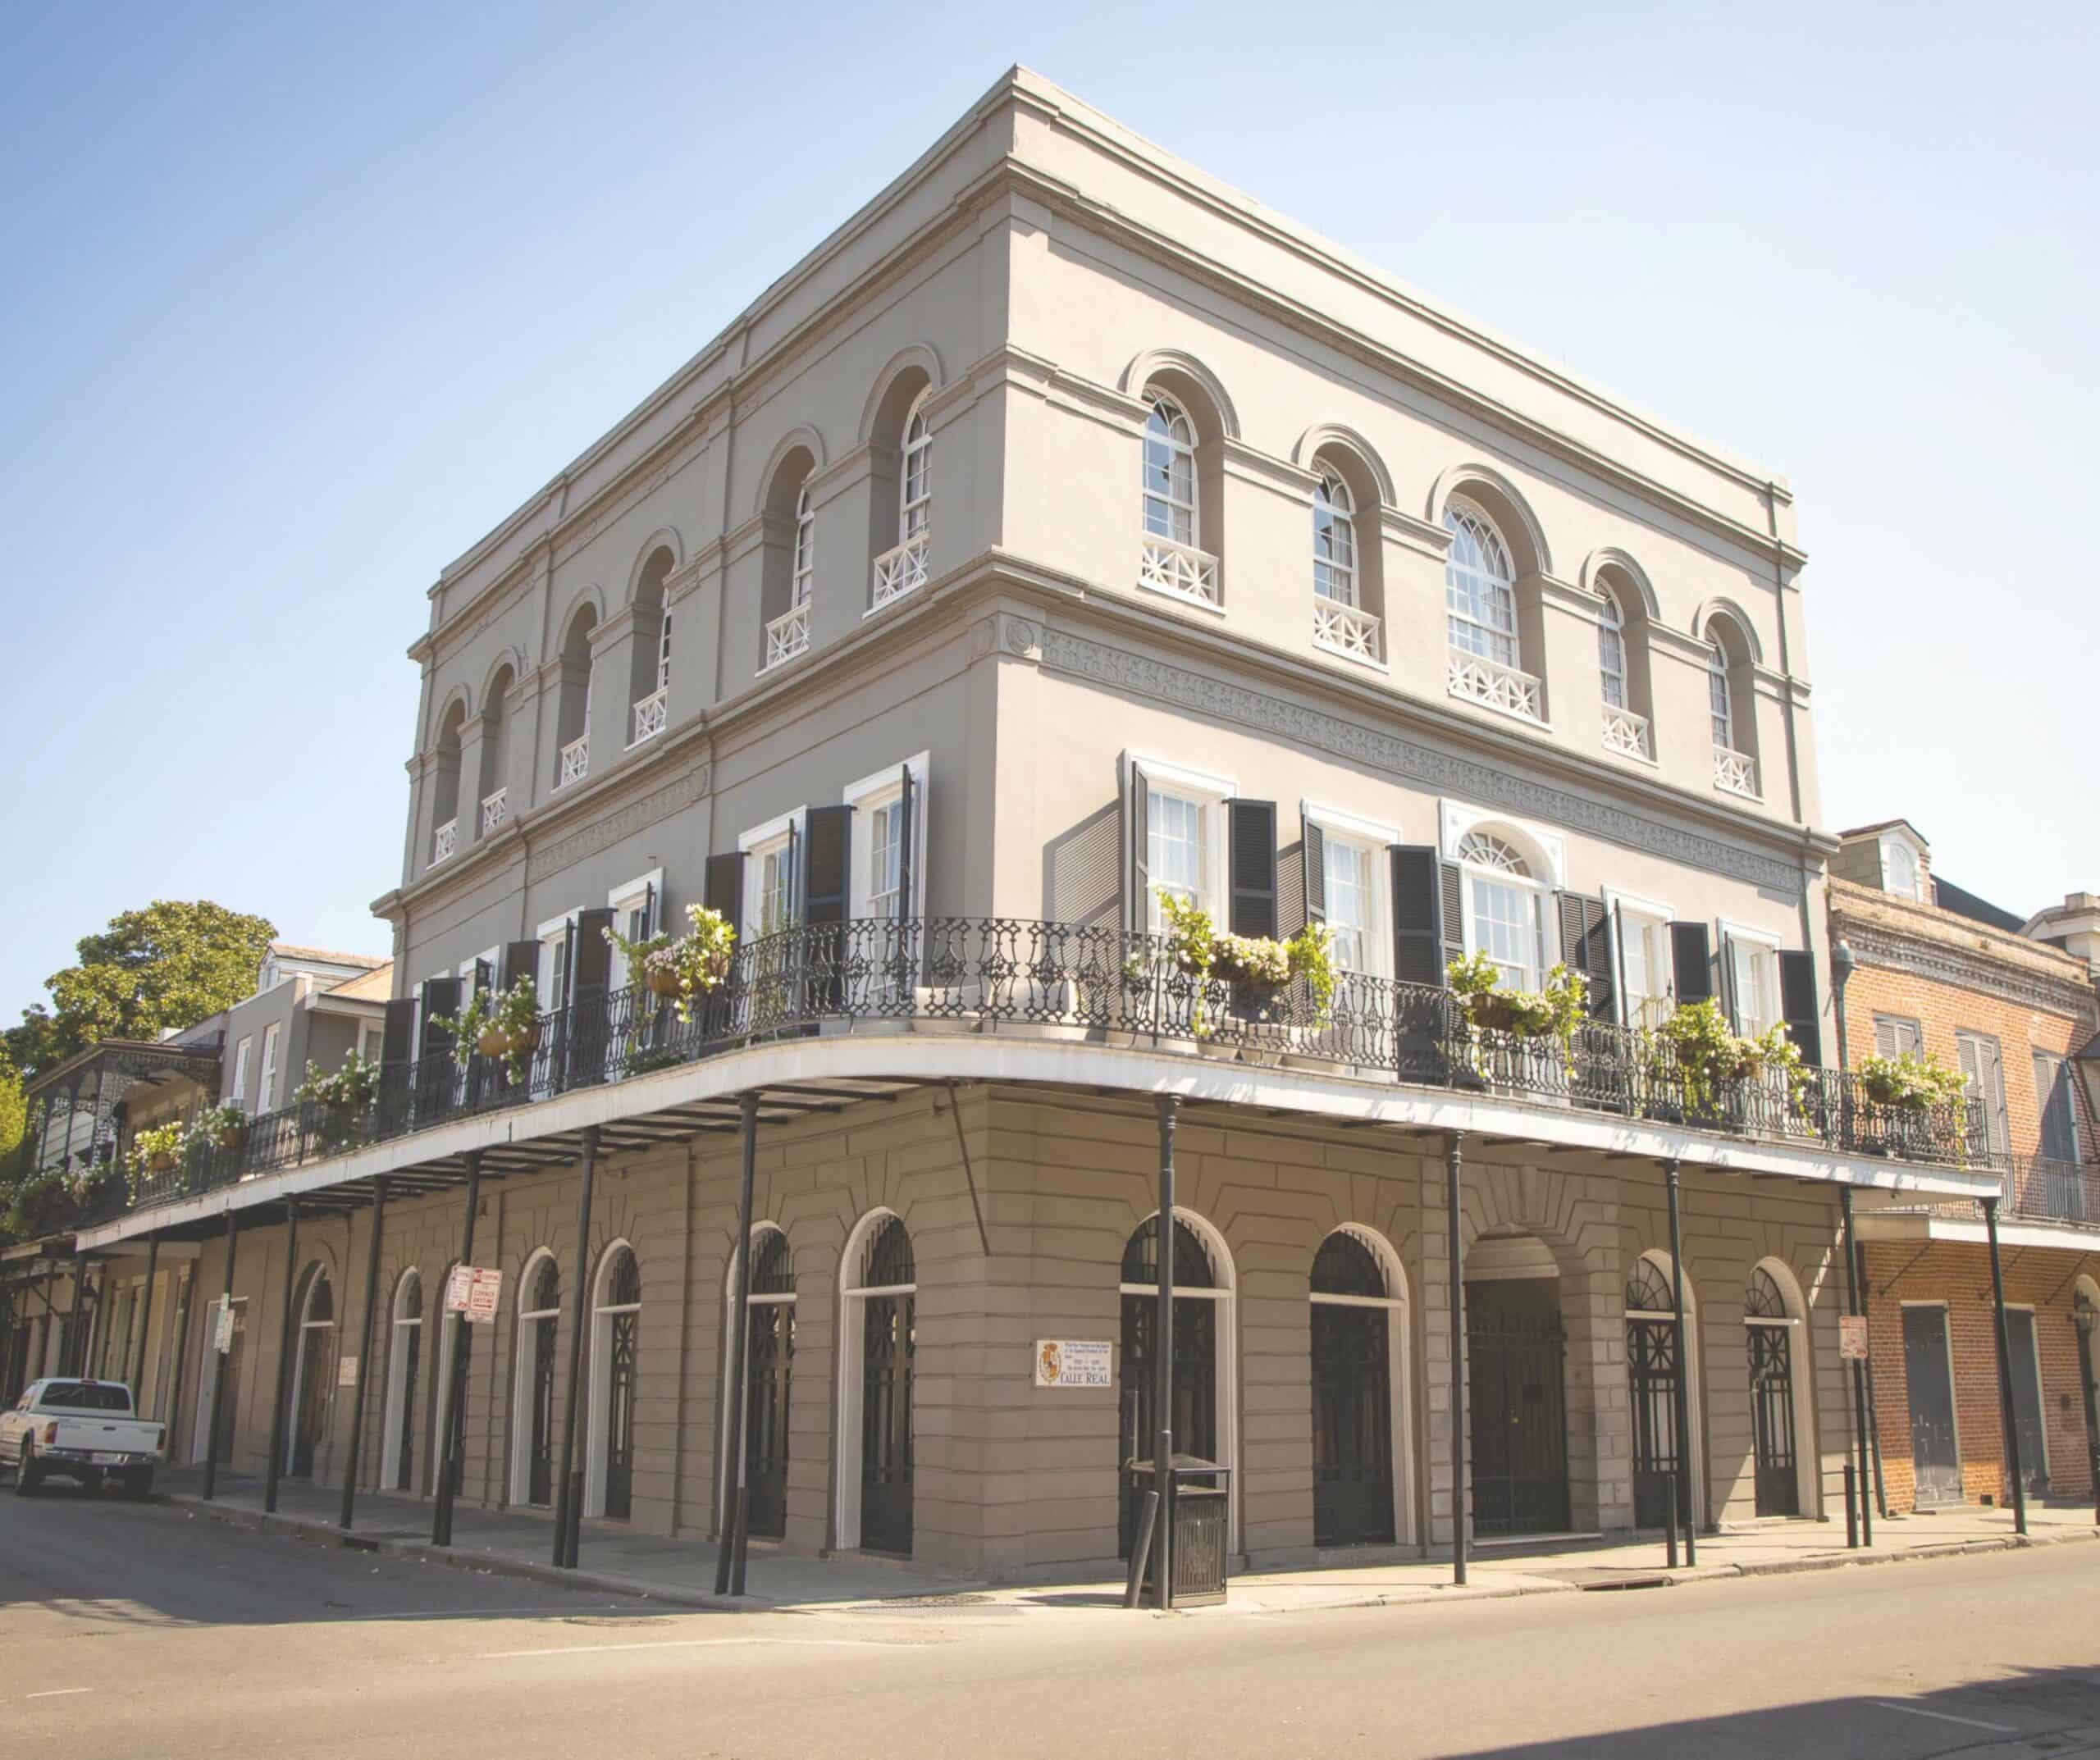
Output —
<point x="1852" y="1337"/>
<point x="346" y="1371"/>
<point x="473" y="1293"/>
<point x="222" y="1337"/>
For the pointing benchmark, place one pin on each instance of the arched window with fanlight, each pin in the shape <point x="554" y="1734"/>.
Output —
<point x="1480" y="592"/>
<point x="1770" y="1323"/>
<point x="1731" y="708"/>
<point x="900" y="500"/>
<point x="615" y="1384"/>
<point x="879" y="1333"/>
<point x="1611" y="652"/>
<point x="1334" y="540"/>
<point x="1623" y="681"/>
<point x="916" y="504"/>
<point x="1345" y="586"/>
<point x="532" y="1401"/>
<point x="1359" y="1352"/>
<point x="1504" y="908"/>
<point x="1172" y="558"/>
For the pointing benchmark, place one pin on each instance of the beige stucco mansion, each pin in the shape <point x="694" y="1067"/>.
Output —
<point x="1065" y="527"/>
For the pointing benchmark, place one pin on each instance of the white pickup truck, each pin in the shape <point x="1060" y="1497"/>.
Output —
<point x="68" y="1428"/>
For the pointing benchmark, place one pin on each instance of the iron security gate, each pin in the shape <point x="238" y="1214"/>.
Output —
<point x="317" y="1380"/>
<point x="1935" y="1454"/>
<point x="404" y="1463"/>
<point x="1352" y="1427"/>
<point x="765" y="1418"/>
<point x="1769" y="1334"/>
<point x="1516" y="1374"/>
<point x="1195" y="1394"/>
<point x="540" y="1464"/>
<point x="889" y="1341"/>
<point x="619" y="1418"/>
<point x="2027" y="1399"/>
<point x="1652" y="1371"/>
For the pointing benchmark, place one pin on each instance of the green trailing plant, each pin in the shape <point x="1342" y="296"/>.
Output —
<point x="1914" y="1083"/>
<point x="349" y="1089"/>
<point x="1199" y="951"/>
<point x="690" y="966"/>
<point x="221" y="1127"/>
<point x="502" y="1024"/>
<point x="159" y="1146"/>
<point x="1554" y="1012"/>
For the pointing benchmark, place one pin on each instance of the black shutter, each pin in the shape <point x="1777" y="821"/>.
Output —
<point x="827" y="863"/>
<point x="723" y="890"/>
<point x="1690" y="962"/>
<point x="797" y="893"/>
<point x="1727" y="964"/>
<point x="590" y="958"/>
<point x="1251" y="850"/>
<point x="907" y="819"/>
<point x="1451" y="901"/>
<point x="1417" y="914"/>
<point x="520" y="960"/>
<point x="648" y="919"/>
<point x="484" y="977"/>
<point x="1312" y="851"/>
<point x="1585" y="947"/>
<point x="397" y="1039"/>
<point x="1798" y="1004"/>
<point x="1137" y="851"/>
<point x="441" y="1000"/>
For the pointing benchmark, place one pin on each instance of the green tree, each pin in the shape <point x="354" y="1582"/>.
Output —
<point x="168" y="965"/>
<point x="14" y="1118"/>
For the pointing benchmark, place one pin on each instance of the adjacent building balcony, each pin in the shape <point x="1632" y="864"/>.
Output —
<point x="1178" y="572"/>
<point x="1735" y="773"/>
<point x="444" y="841"/>
<point x="651" y="714"/>
<point x="495" y="810"/>
<point x="1628" y="734"/>
<point x="1478" y="679"/>
<point x="899" y="570"/>
<point x="1343" y="630"/>
<point x="2041" y="1189"/>
<point x="787" y="635"/>
<point x="575" y="762"/>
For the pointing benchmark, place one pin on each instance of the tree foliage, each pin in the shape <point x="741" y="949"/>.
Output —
<point x="169" y="966"/>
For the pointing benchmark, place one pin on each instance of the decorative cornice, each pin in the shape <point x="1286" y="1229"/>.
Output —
<point x="1876" y="944"/>
<point x="1159" y="681"/>
<point x="674" y="797"/>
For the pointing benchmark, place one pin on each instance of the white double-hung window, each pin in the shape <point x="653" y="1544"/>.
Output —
<point x="557" y="947"/>
<point x="1505" y="909"/>
<point x="1352" y="886"/>
<point x="637" y="909"/>
<point x="1753" y="974"/>
<point x="265" y="1090"/>
<point x="772" y="881"/>
<point x="881" y="860"/>
<point x="1184" y="836"/>
<point x="1642" y="929"/>
<point x="239" y="1097"/>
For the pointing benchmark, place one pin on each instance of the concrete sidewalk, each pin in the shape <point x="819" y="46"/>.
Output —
<point x="616" y="1561"/>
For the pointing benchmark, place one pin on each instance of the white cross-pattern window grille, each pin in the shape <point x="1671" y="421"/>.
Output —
<point x="1170" y="473"/>
<point x="1507" y="923"/>
<point x="1350" y="903"/>
<point x="495" y="808"/>
<point x="917" y="488"/>
<point x="885" y="858"/>
<point x="805" y="545"/>
<point x="1479" y="594"/>
<point x="1174" y="836"/>
<point x="1719" y="700"/>
<point x="1611" y="652"/>
<point x="1333" y="540"/>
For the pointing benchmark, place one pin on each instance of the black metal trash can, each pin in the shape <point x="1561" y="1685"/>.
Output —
<point x="1199" y="1506"/>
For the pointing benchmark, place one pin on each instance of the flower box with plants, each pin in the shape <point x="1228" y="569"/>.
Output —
<point x="346" y="1089"/>
<point x="502" y="1024"/>
<point x="221" y="1127"/>
<point x="1554" y="1013"/>
<point x="1695" y="1052"/>
<point x="1911" y="1084"/>
<point x="1258" y="968"/>
<point x="678" y="970"/>
<point x="159" y="1146"/>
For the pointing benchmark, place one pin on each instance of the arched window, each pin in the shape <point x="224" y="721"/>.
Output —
<point x="1768" y="1325"/>
<point x="532" y="1400"/>
<point x="493" y="800"/>
<point x="445" y="796"/>
<point x="1622" y="679"/>
<point x="609" y="1488"/>
<point x="805" y="546"/>
<point x="648" y="695"/>
<point x="1505" y="915"/>
<point x="1334" y="540"/>
<point x="788" y="571"/>
<point x="403" y="1384"/>
<point x="1169" y="482"/>
<point x="1611" y="652"/>
<point x="900" y="498"/>
<point x="314" y="1380"/>
<point x="1720" y="700"/>
<point x="1479" y="594"/>
<point x="1359" y="1407"/>
<point x="915" y="499"/>
<point x="572" y="701"/>
<point x="879" y="1330"/>
<point x="1653" y="1369"/>
<point x="768" y="1391"/>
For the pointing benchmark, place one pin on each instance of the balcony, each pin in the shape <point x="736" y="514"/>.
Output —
<point x="1343" y="630"/>
<point x="495" y="810"/>
<point x="1736" y="774"/>
<point x="444" y="841"/>
<point x="786" y="635"/>
<point x="972" y="982"/>
<point x="1627" y="734"/>
<point x="651" y="714"/>
<point x="2039" y="1189"/>
<point x="575" y="762"/>
<point x="1480" y="680"/>
<point x="1178" y="572"/>
<point x="898" y="571"/>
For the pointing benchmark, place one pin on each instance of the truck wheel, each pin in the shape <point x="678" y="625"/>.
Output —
<point x="28" y="1475"/>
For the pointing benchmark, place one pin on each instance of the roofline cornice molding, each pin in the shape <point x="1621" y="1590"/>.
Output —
<point x="1878" y="944"/>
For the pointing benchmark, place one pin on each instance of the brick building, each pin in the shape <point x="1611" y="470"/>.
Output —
<point x="1941" y="974"/>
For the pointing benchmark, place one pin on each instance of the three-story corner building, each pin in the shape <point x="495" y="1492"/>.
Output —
<point x="1937" y="972"/>
<point x="1065" y="531"/>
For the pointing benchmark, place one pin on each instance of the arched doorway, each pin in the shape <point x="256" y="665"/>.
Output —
<point x="1769" y="1332"/>
<point x="772" y="1319"/>
<point x="1516" y="1378"/>
<point x="313" y="1382"/>
<point x="533" y="1396"/>
<point x="404" y="1379"/>
<point x="1359" y="1340"/>
<point x="875" y="1430"/>
<point x="1652" y="1373"/>
<point x="609" y="1488"/>
<point x="1201" y="1418"/>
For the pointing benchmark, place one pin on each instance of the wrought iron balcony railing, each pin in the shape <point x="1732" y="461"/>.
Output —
<point x="1045" y="979"/>
<point x="899" y="570"/>
<point x="1481" y="679"/>
<point x="1342" y="629"/>
<point x="2042" y="1189"/>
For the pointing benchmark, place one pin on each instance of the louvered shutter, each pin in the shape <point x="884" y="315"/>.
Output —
<point x="722" y="888"/>
<point x="397" y="1039"/>
<point x="591" y="958"/>
<point x="1251" y="849"/>
<point x="520" y="960"/>
<point x="827" y="852"/>
<point x="440" y="1002"/>
<point x="484" y="977"/>
<point x="1451" y="903"/>
<point x="1994" y="1068"/>
<point x="1799" y="1007"/>
<point x="1691" y="964"/>
<point x="1726" y="942"/>
<point x="1585" y="947"/>
<point x="1418" y="934"/>
<point x="1312" y="852"/>
<point x="1884" y="1037"/>
<point x="648" y="918"/>
<point x="1137" y="850"/>
<point x="907" y="905"/>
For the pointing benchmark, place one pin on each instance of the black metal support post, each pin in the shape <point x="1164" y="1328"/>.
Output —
<point x="452" y="1454"/>
<point x="2015" y="1486"/>
<point x="1862" y="1413"/>
<point x="1163" y="1374"/>
<point x="568" y="1516"/>
<point x="1683" y="1507"/>
<point x="1455" y="1146"/>
<point x="1842" y="962"/>
<point x="180" y="1301"/>
<point x="219" y="1368"/>
<point x="287" y="1339"/>
<point x="145" y="1325"/>
<point x="364" y="1354"/>
<point x="736" y="1502"/>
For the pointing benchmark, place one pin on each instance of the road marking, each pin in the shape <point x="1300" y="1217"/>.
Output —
<point x="588" y="1611"/>
<point x="58" y="1693"/>
<point x="687" y="1643"/>
<point x="1942" y="1716"/>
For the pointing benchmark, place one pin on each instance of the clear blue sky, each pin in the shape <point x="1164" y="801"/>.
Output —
<point x="297" y="301"/>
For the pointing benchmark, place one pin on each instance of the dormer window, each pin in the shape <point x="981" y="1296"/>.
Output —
<point x="1901" y="871"/>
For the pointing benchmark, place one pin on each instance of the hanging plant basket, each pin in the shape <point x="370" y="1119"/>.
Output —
<point x="230" y="1136"/>
<point x="523" y="1044"/>
<point x="493" y="1042"/>
<point x="663" y="982"/>
<point x="160" y="1161"/>
<point x="1497" y="1011"/>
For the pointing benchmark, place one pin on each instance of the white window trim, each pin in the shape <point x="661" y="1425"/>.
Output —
<point x="1455" y="819"/>
<point x="1917" y="863"/>
<point x="548" y="934"/>
<point x="266" y="1077"/>
<point x="618" y="899"/>
<point x="1615" y="901"/>
<point x="754" y="846"/>
<point x="239" y="1094"/>
<point x="1211" y="792"/>
<point x="492" y="955"/>
<point x="877" y="790"/>
<point x="1351" y="829"/>
<point x="1771" y="943"/>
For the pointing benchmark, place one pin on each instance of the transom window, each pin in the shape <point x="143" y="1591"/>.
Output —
<point x="1484" y="850"/>
<point x="805" y="547"/>
<point x="1333" y="540"/>
<point x="1611" y="652"/>
<point x="1507" y="923"/>
<point x="917" y="487"/>
<point x="1479" y="591"/>
<point x="1169" y="472"/>
<point x="1351" y="903"/>
<point x="1174" y="855"/>
<point x="1718" y="698"/>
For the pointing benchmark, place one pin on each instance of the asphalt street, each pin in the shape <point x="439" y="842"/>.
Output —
<point x="138" y="1630"/>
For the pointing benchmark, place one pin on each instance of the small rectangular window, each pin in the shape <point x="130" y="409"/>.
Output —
<point x="1896" y="1036"/>
<point x="1175" y="857"/>
<point x="1352" y="903"/>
